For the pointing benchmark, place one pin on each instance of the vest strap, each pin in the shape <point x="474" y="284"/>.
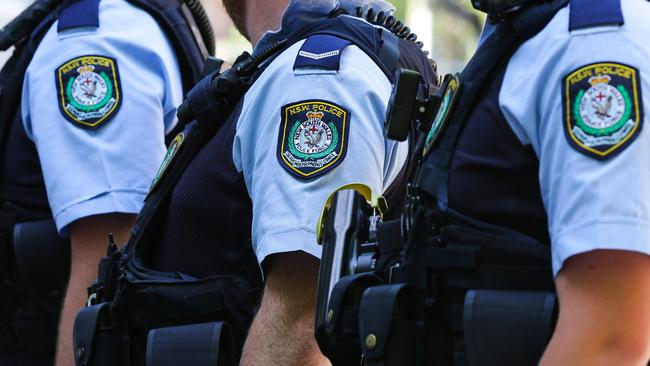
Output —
<point x="201" y="100"/>
<point x="587" y="14"/>
<point x="491" y="58"/>
<point x="81" y="14"/>
<point x="389" y="51"/>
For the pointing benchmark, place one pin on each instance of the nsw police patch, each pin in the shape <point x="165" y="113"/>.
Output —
<point x="313" y="137"/>
<point x="89" y="90"/>
<point x="603" y="112"/>
<point x="172" y="150"/>
<point x="446" y="105"/>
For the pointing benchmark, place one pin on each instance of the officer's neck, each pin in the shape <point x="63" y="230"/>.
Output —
<point x="263" y="16"/>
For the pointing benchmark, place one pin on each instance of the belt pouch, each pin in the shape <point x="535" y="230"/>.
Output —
<point x="391" y="327"/>
<point x="338" y="337"/>
<point x="98" y="340"/>
<point x="206" y="344"/>
<point x="504" y="328"/>
<point x="43" y="261"/>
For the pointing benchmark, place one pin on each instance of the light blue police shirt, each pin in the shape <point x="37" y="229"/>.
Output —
<point x="108" y="169"/>
<point x="286" y="208"/>
<point x="591" y="203"/>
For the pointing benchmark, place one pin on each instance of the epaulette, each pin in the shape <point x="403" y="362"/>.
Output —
<point x="322" y="51"/>
<point x="79" y="14"/>
<point x="588" y="14"/>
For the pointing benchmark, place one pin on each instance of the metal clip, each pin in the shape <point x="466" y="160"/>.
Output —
<point x="91" y="300"/>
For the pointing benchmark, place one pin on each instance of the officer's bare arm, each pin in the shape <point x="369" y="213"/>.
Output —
<point x="283" y="330"/>
<point x="604" y="318"/>
<point x="88" y="238"/>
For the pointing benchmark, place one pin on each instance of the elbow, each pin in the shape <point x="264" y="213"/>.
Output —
<point x="290" y="290"/>
<point x="592" y="340"/>
<point x="626" y="347"/>
<point x="604" y="297"/>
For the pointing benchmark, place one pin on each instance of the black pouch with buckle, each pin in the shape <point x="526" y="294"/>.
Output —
<point x="97" y="341"/>
<point x="391" y="326"/>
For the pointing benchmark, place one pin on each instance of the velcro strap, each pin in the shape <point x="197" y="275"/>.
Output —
<point x="206" y="344"/>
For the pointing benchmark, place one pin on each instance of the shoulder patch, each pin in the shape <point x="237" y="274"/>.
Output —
<point x="313" y="137"/>
<point x="89" y="90"/>
<point x="603" y="110"/>
<point x="321" y="51"/>
<point x="172" y="150"/>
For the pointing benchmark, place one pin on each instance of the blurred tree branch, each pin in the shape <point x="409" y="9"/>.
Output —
<point x="463" y="12"/>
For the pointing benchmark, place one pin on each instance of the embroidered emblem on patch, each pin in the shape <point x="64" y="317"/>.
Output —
<point x="447" y="103"/>
<point x="602" y="108"/>
<point x="172" y="150"/>
<point x="313" y="137"/>
<point x="89" y="90"/>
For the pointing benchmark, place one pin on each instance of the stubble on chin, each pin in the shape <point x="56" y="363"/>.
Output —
<point x="236" y="9"/>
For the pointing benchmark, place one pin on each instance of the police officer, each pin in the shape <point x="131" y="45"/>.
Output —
<point x="539" y="156"/>
<point x="587" y="134"/>
<point x="243" y="192"/>
<point x="321" y="129"/>
<point x="100" y="83"/>
<point x="291" y="163"/>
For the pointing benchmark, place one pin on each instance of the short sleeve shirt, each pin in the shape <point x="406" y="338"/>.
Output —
<point x="582" y="107"/>
<point x="285" y="207"/>
<point x="76" y="77"/>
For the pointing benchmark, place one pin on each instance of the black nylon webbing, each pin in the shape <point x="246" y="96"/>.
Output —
<point x="480" y="72"/>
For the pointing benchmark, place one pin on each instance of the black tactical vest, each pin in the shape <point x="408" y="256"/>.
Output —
<point x="23" y="196"/>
